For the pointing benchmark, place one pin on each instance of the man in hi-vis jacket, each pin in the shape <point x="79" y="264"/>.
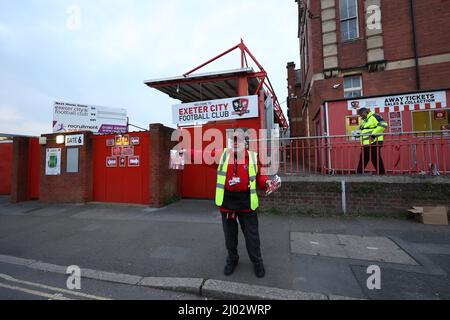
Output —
<point x="372" y="129"/>
<point x="238" y="178"/>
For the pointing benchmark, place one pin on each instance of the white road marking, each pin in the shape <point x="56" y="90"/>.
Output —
<point x="372" y="248"/>
<point x="34" y="292"/>
<point x="314" y="243"/>
<point x="70" y="292"/>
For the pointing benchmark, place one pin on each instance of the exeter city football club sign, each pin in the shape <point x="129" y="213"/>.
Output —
<point x="216" y="110"/>
<point x="406" y="102"/>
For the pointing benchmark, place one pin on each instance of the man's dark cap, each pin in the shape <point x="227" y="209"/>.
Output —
<point x="360" y="111"/>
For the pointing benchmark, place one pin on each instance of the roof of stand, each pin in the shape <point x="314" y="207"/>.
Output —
<point x="205" y="86"/>
<point x="192" y="87"/>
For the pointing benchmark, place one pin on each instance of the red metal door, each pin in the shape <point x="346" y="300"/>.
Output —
<point x="128" y="184"/>
<point x="6" y="151"/>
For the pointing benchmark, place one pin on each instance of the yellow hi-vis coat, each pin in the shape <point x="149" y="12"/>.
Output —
<point x="372" y="129"/>
<point x="222" y="176"/>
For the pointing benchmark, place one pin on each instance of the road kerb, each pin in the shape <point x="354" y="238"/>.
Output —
<point x="209" y="288"/>
<point x="188" y="285"/>
<point x="236" y="291"/>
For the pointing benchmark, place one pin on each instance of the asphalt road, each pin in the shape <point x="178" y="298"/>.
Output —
<point x="186" y="240"/>
<point x="22" y="283"/>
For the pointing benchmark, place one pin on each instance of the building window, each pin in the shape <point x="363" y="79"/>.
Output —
<point x="298" y="77"/>
<point x="353" y="87"/>
<point x="349" y="19"/>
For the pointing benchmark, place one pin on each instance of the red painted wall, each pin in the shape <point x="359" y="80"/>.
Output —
<point x="121" y="185"/>
<point x="6" y="152"/>
<point x="199" y="181"/>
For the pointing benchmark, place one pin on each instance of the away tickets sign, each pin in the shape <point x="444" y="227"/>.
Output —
<point x="216" y="110"/>
<point x="407" y="102"/>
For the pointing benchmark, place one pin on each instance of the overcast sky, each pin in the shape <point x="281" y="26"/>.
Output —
<point x="46" y="56"/>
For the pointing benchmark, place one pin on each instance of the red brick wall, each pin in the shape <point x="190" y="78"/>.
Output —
<point x="433" y="25"/>
<point x="435" y="76"/>
<point x="163" y="182"/>
<point x="432" y="19"/>
<point x="432" y="22"/>
<point x="397" y="30"/>
<point x="67" y="187"/>
<point x="294" y="104"/>
<point x="362" y="197"/>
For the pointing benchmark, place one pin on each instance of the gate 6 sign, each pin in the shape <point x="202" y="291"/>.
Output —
<point x="75" y="140"/>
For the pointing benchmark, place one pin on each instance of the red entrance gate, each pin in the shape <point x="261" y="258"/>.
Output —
<point x="118" y="182"/>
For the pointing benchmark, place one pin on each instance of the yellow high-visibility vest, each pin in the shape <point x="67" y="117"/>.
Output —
<point x="222" y="176"/>
<point x="372" y="126"/>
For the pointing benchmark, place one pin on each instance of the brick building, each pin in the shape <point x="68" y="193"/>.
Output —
<point x="366" y="48"/>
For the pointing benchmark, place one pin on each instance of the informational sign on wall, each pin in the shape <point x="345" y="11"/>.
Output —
<point x="395" y="122"/>
<point x="353" y="127"/>
<point x="68" y="117"/>
<point x="123" y="151"/>
<point x="176" y="161"/>
<point x="111" y="162"/>
<point x="53" y="162"/>
<point x="75" y="140"/>
<point x="407" y="102"/>
<point x="134" y="161"/>
<point x="216" y="110"/>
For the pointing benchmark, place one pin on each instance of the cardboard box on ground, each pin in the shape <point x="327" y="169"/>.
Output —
<point x="431" y="215"/>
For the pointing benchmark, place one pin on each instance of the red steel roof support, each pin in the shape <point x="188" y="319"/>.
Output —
<point x="261" y="75"/>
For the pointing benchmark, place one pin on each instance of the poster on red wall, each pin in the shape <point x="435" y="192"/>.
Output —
<point x="128" y="151"/>
<point x="395" y="122"/>
<point x="135" y="141"/>
<point x="440" y="115"/>
<point x="116" y="151"/>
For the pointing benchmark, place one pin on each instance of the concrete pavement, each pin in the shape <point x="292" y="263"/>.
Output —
<point x="185" y="241"/>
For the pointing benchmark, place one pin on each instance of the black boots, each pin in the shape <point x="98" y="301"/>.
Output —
<point x="260" y="271"/>
<point x="229" y="268"/>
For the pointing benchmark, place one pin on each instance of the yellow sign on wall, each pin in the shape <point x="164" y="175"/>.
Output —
<point x="352" y="124"/>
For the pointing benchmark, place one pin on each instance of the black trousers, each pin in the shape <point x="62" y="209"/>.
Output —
<point x="250" y="229"/>
<point x="372" y="153"/>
